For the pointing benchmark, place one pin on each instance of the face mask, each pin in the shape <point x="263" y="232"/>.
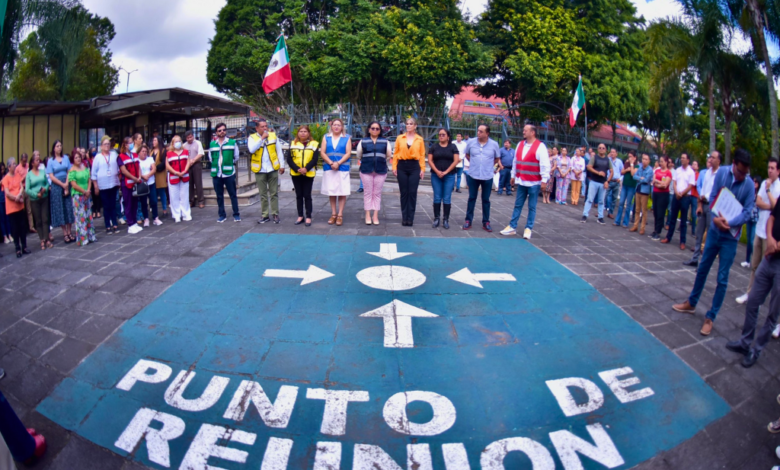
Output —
<point x="132" y="146"/>
<point x="93" y="153"/>
<point x="177" y="145"/>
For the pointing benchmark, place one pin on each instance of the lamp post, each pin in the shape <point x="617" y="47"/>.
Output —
<point x="128" y="72"/>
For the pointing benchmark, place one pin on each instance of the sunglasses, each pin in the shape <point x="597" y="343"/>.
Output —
<point x="374" y="129"/>
<point x="222" y="130"/>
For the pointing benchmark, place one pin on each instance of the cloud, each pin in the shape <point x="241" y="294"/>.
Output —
<point x="166" y="40"/>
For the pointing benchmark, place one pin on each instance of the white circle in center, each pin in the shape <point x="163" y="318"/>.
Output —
<point x="391" y="278"/>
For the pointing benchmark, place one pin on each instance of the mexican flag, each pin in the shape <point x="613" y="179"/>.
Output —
<point x="278" y="72"/>
<point x="577" y="104"/>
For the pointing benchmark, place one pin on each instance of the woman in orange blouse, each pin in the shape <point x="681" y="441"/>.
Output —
<point x="409" y="167"/>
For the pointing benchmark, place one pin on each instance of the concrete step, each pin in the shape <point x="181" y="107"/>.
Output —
<point x="245" y="198"/>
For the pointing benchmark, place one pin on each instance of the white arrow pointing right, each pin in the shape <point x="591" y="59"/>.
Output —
<point x="313" y="274"/>
<point x="467" y="277"/>
<point x="398" y="316"/>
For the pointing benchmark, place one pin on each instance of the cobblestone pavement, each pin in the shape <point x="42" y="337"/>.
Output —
<point x="57" y="306"/>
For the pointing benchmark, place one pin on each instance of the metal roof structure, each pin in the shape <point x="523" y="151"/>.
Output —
<point x="30" y="108"/>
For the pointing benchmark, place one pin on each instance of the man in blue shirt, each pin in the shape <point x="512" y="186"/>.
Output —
<point x="720" y="242"/>
<point x="483" y="155"/>
<point x="613" y="190"/>
<point x="505" y="168"/>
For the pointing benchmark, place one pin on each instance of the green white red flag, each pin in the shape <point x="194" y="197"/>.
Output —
<point x="577" y="104"/>
<point x="278" y="72"/>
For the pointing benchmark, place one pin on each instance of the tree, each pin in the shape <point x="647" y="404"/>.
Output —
<point x="540" y="48"/>
<point x="66" y="67"/>
<point x="759" y="19"/>
<point x="695" y="41"/>
<point x="363" y="51"/>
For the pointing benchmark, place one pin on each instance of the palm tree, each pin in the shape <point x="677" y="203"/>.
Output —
<point x="737" y="87"/>
<point x="21" y="15"/>
<point x="694" y="41"/>
<point x="759" y="19"/>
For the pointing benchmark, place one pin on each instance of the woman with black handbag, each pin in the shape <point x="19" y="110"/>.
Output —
<point x="81" y="188"/>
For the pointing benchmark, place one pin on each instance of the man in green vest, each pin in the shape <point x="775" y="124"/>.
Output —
<point x="267" y="163"/>
<point x="223" y="154"/>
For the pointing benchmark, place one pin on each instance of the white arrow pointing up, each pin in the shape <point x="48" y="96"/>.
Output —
<point x="313" y="274"/>
<point x="467" y="277"/>
<point x="398" y="316"/>
<point x="389" y="251"/>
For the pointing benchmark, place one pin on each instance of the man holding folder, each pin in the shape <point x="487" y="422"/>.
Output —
<point x="723" y="236"/>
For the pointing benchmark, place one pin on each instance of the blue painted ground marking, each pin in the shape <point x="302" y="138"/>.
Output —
<point x="486" y="378"/>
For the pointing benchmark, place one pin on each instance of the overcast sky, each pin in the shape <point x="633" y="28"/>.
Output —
<point x="167" y="40"/>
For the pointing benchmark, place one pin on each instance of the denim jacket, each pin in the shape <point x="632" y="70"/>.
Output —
<point x="644" y="178"/>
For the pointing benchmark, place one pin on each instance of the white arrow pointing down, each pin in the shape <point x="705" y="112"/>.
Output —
<point x="388" y="251"/>
<point x="397" y="317"/>
<point x="313" y="274"/>
<point x="467" y="277"/>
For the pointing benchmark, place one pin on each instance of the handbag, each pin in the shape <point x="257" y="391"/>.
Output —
<point x="140" y="189"/>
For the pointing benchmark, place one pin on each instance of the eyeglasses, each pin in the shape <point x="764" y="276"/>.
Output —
<point x="442" y="134"/>
<point x="221" y="131"/>
<point x="374" y="129"/>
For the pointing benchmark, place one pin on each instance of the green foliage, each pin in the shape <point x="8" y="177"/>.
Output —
<point x="363" y="51"/>
<point x="57" y="65"/>
<point x="541" y="47"/>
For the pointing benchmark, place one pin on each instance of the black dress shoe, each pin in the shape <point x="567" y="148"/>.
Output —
<point x="435" y="223"/>
<point x="25" y="251"/>
<point x="691" y="263"/>
<point x="403" y="223"/>
<point x="736" y="346"/>
<point x="446" y="223"/>
<point x="750" y="359"/>
<point x="298" y="222"/>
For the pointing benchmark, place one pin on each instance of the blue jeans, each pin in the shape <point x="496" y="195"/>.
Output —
<point x="694" y="207"/>
<point x="442" y="187"/>
<point x="719" y="245"/>
<point x="5" y="222"/>
<point x="457" y="181"/>
<point x="162" y="195"/>
<point x="532" y="194"/>
<point x="505" y="180"/>
<point x="220" y="185"/>
<point x="612" y="195"/>
<point x="119" y="207"/>
<point x="627" y="201"/>
<point x="679" y="205"/>
<point x="751" y="235"/>
<point x="108" y="197"/>
<point x="585" y="186"/>
<point x="671" y="214"/>
<point x="149" y="201"/>
<point x="596" y="193"/>
<point x="474" y="186"/>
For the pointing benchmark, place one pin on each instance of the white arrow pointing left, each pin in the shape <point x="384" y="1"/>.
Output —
<point x="398" y="316"/>
<point x="313" y="274"/>
<point x="467" y="277"/>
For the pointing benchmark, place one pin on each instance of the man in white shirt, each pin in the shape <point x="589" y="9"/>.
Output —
<point x="531" y="169"/>
<point x="267" y="163"/>
<point x="765" y="202"/>
<point x="461" y="145"/>
<point x="704" y="186"/>
<point x="195" y="149"/>
<point x="684" y="180"/>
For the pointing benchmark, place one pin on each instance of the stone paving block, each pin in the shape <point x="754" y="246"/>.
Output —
<point x="84" y="455"/>
<point x="71" y="296"/>
<point x="701" y="359"/>
<point x="39" y="342"/>
<point x="94" y="281"/>
<point x="97" y="328"/>
<point x="18" y="332"/>
<point x="69" y="320"/>
<point x="672" y="335"/>
<point x="32" y="384"/>
<point x="730" y="386"/>
<point x="67" y="354"/>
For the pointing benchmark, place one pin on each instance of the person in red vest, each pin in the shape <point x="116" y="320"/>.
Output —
<point x="130" y="171"/>
<point x="532" y="169"/>
<point x="178" y="163"/>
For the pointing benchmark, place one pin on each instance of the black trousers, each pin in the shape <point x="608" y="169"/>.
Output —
<point x="303" y="185"/>
<point x="660" y="204"/>
<point x="408" y="181"/>
<point x="19" y="229"/>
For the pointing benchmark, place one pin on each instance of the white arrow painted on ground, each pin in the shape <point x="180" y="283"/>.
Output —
<point x="313" y="274"/>
<point x="389" y="251"/>
<point x="398" y="316"/>
<point x="467" y="277"/>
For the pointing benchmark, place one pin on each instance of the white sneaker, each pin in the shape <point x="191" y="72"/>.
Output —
<point x="742" y="299"/>
<point x="176" y="220"/>
<point x="146" y="222"/>
<point x="122" y="222"/>
<point x="776" y="331"/>
<point x="527" y="234"/>
<point x="157" y="222"/>
<point x="86" y="242"/>
<point x="508" y="231"/>
<point x="745" y="264"/>
<point x="134" y="229"/>
<point x="187" y="219"/>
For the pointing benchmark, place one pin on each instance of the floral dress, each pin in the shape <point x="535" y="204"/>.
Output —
<point x="562" y="184"/>
<point x="82" y="208"/>
<point x="551" y="181"/>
